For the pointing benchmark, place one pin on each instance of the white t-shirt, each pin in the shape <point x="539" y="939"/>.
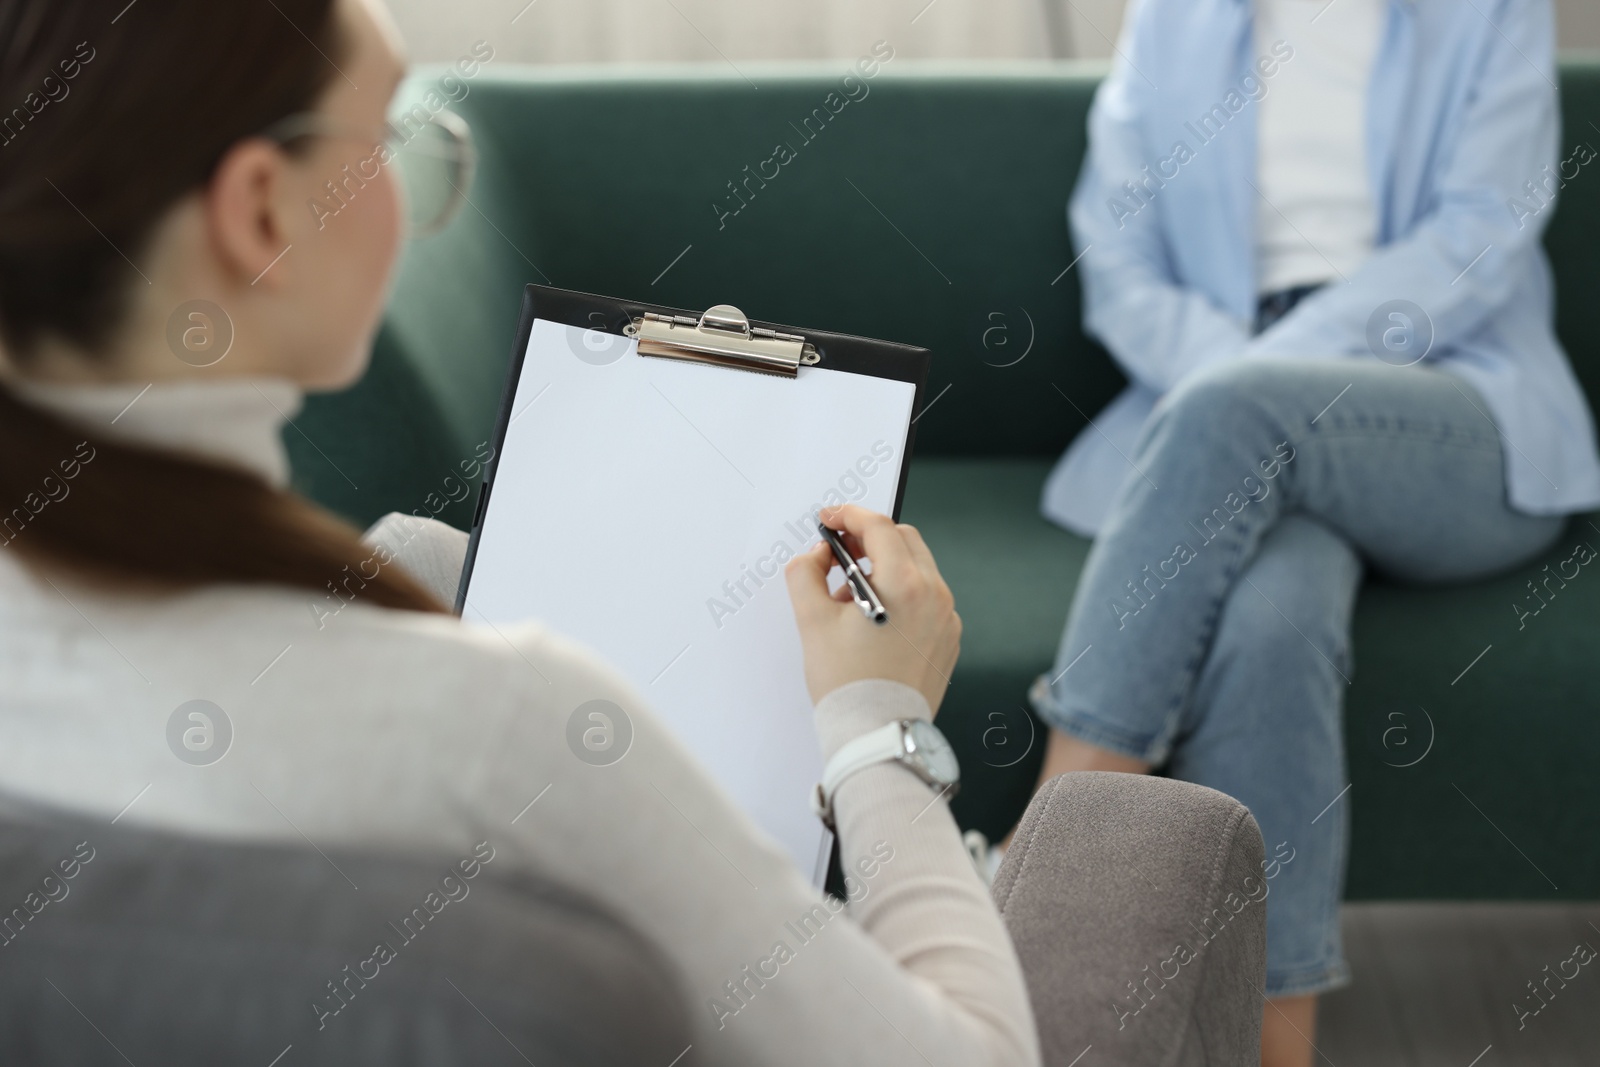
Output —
<point x="1315" y="220"/>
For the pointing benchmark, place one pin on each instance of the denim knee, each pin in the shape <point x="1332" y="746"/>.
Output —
<point x="1228" y="402"/>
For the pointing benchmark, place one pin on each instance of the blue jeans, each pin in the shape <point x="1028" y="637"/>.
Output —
<point x="1210" y="630"/>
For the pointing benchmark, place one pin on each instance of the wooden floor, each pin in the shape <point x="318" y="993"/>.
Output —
<point x="1441" y="985"/>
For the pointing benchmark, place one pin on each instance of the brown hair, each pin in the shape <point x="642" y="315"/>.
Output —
<point x="106" y="121"/>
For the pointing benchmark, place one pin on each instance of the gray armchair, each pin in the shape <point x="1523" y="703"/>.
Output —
<point x="1116" y="890"/>
<point x="169" y="950"/>
<point x="122" y="945"/>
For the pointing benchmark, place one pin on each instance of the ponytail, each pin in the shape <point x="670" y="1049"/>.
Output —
<point x="124" y="513"/>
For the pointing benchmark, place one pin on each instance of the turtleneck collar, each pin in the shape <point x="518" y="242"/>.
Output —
<point x="235" y="421"/>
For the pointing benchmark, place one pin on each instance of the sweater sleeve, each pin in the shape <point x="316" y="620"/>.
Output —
<point x="928" y="909"/>
<point x="430" y="550"/>
<point x="914" y="969"/>
<point x="922" y="971"/>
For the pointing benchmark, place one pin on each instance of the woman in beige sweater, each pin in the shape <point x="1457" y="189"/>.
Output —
<point x="152" y="556"/>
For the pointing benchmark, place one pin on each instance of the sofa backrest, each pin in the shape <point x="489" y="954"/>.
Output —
<point x="929" y="209"/>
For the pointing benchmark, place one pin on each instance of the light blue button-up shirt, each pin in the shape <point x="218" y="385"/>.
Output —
<point x="1463" y="160"/>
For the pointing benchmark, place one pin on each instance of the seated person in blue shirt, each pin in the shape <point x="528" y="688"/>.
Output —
<point x="1310" y="236"/>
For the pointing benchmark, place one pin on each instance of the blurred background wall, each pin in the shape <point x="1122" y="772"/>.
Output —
<point x="587" y="31"/>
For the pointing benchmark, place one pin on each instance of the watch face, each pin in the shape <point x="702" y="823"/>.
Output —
<point x="933" y="753"/>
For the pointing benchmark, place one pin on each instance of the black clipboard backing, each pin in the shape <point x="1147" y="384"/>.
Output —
<point x="837" y="352"/>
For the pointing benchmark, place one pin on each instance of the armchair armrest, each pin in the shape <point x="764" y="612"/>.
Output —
<point x="1137" y="906"/>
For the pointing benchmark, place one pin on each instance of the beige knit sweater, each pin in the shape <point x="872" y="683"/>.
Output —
<point x="408" y="731"/>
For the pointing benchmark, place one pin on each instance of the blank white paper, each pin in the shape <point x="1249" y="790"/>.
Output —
<point x="646" y="506"/>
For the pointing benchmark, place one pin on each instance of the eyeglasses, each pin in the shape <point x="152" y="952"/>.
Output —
<point x="434" y="151"/>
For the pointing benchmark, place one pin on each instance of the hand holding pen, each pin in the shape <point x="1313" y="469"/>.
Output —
<point x="920" y="636"/>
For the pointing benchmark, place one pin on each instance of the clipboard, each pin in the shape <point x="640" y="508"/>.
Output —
<point x="689" y="352"/>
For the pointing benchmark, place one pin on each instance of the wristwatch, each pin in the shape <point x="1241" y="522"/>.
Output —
<point x="915" y="744"/>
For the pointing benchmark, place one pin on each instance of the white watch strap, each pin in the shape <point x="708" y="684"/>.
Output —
<point x="881" y="745"/>
<point x="885" y="743"/>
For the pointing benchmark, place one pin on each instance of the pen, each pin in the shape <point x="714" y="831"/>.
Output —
<point x="866" y="598"/>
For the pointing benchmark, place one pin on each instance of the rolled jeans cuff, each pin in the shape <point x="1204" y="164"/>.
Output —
<point x="1102" y="733"/>
<point x="1308" y="981"/>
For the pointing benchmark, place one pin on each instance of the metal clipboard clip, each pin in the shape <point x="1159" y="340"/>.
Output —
<point x="723" y="336"/>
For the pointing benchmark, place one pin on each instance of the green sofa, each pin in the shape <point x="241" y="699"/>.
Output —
<point x="931" y="211"/>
